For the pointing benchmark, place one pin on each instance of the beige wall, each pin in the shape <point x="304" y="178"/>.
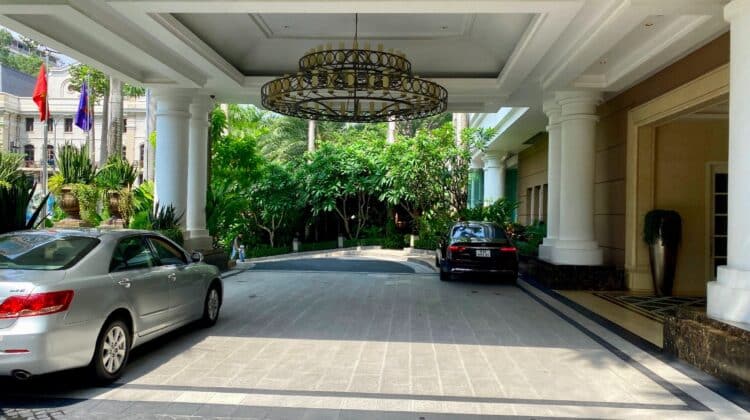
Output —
<point x="532" y="172"/>
<point x="684" y="150"/>
<point x="611" y="151"/>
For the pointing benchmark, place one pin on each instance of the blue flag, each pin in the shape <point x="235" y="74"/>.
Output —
<point x="84" y="119"/>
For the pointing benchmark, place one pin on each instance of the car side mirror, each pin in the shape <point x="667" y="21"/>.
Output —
<point x="196" y="257"/>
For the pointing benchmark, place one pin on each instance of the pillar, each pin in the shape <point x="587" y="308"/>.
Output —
<point x="729" y="295"/>
<point x="494" y="178"/>
<point x="172" y="133"/>
<point x="554" y="149"/>
<point x="311" y="128"/>
<point x="576" y="243"/>
<point x="460" y="122"/>
<point x="197" y="237"/>
<point x="476" y="183"/>
<point x="391" y="132"/>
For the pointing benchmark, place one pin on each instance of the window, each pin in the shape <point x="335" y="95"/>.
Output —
<point x="28" y="152"/>
<point x="132" y="254"/>
<point x="50" y="124"/>
<point x="124" y="152"/>
<point x="50" y="153"/>
<point x="141" y="154"/>
<point x="29" y="124"/>
<point x="34" y="251"/>
<point x="719" y="212"/>
<point x="68" y="125"/>
<point x="478" y="233"/>
<point x="124" y="125"/>
<point x="167" y="253"/>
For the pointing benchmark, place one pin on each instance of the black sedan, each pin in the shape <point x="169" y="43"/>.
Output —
<point x="477" y="247"/>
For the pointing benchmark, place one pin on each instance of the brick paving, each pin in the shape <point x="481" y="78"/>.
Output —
<point x="339" y="345"/>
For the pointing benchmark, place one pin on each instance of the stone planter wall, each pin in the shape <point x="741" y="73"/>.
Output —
<point x="573" y="277"/>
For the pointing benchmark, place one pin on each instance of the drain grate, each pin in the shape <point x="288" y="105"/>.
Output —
<point x="654" y="307"/>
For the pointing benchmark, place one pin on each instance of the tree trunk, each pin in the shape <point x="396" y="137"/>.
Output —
<point x="105" y="127"/>
<point x="115" y="123"/>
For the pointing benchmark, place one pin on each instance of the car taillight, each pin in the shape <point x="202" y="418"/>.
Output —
<point x="36" y="304"/>
<point x="508" y="249"/>
<point x="456" y="248"/>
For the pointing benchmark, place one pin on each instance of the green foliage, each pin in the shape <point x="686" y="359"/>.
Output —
<point x="273" y="198"/>
<point x="117" y="174"/>
<point x="9" y="164"/>
<point x="88" y="199"/>
<point x="28" y="64"/>
<point x="143" y="197"/>
<point x="500" y="212"/>
<point x="14" y="202"/>
<point x="164" y="218"/>
<point x="662" y="224"/>
<point x="75" y="165"/>
<point x="99" y="82"/>
<point x="344" y="176"/>
<point x="528" y="238"/>
<point x="141" y="220"/>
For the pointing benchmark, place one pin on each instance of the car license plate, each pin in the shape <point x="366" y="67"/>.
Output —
<point x="483" y="253"/>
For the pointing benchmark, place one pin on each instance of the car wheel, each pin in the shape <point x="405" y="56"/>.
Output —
<point x="445" y="275"/>
<point x="211" y="306"/>
<point x="112" y="351"/>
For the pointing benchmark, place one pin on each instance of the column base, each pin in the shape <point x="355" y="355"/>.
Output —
<point x="198" y="239"/>
<point x="567" y="252"/>
<point x="546" y="249"/>
<point x="729" y="296"/>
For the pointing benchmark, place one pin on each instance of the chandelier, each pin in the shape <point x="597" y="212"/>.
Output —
<point x="354" y="85"/>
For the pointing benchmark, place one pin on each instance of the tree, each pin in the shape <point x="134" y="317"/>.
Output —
<point x="99" y="85"/>
<point x="273" y="199"/>
<point x="28" y="64"/>
<point x="344" y="176"/>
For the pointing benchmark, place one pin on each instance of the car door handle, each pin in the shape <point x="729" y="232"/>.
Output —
<point x="172" y="276"/>
<point x="124" y="283"/>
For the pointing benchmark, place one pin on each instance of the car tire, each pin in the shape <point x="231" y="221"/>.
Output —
<point x="445" y="275"/>
<point x="211" y="306"/>
<point x="112" y="351"/>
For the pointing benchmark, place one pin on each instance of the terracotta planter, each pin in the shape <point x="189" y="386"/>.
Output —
<point x="114" y="204"/>
<point x="69" y="203"/>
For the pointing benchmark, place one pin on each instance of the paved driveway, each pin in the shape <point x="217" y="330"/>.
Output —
<point x="346" y="345"/>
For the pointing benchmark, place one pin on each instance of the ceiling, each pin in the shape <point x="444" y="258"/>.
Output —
<point x="489" y="54"/>
<point x="438" y="45"/>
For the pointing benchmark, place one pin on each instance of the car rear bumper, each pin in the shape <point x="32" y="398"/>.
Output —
<point x="39" y="345"/>
<point x="482" y="270"/>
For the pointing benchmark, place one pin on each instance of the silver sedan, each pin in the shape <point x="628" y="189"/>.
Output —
<point x="75" y="298"/>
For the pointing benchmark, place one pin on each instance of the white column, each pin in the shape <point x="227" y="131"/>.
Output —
<point x="576" y="243"/>
<point x="311" y="128"/>
<point x="197" y="236"/>
<point x="494" y="178"/>
<point x="391" y="132"/>
<point x="172" y="131"/>
<point x="554" y="148"/>
<point x="729" y="296"/>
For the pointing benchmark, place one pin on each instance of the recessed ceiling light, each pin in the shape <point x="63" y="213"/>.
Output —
<point x="286" y="26"/>
<point x="603" y="61"/>
<point x="443" y="27"/>
<point x="648" y="24"/>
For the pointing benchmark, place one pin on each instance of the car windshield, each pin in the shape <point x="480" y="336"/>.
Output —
<point x="35" y="251"/>
<point x="478" y="233"/>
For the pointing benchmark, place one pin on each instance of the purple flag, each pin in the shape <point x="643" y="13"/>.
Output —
<point x="83" y="114"/>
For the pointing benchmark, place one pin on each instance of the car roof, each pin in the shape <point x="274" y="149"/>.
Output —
<point x="89" y="232"/>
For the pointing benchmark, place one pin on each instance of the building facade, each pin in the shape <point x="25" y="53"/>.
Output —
<point x="21" y="131"/>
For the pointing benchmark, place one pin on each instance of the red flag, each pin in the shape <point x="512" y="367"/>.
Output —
<point x="40" y="93"/>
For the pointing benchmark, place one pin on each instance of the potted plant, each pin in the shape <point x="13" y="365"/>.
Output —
<point x="16" y="192"/>
<point x="116" y="180"/>
<point x="75" y="170"/>
<point x="662" y="231"/>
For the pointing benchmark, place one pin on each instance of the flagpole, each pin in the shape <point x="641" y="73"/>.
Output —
<point x="46" y="127"/>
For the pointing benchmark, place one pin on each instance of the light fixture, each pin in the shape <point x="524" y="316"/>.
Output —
<point x="354" y="85"/>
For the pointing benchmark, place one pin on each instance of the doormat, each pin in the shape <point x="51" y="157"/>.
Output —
<point x="653" y="307"/>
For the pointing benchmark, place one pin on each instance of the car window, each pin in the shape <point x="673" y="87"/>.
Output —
<point x="36" y="251"/>
<point x="478" y="233"/>
<point x="131" y="254"/>
<point x="167" y="252"/>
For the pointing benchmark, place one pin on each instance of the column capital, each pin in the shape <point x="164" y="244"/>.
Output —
<point x="174" y="102"/>
<point x="578" y="104"/>
<point x="736" y="9"/>
<point x="553" y="110"/>
<point x="493" y="160"/>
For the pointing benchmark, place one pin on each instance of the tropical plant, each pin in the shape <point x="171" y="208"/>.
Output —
<point x="500" y="212"/>
<point x="166" y="220"/>
<point x="9" y="164"/>
<point x="273" y="199"/>
<point x="116" y="175"/>
<point x="75" y="165"/>
<point x="143" y="197"/>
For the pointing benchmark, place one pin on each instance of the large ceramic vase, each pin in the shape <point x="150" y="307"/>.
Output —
<point x="663" y="261"/>
<point x="114" y="204"/>
<point x="69" y="203"/>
